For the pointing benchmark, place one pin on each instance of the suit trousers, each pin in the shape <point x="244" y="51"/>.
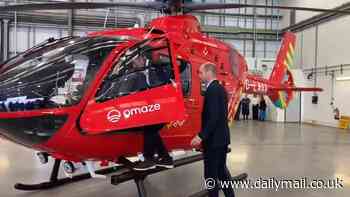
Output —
<point x="215" y="168"/>
<point x="153" y="143"/>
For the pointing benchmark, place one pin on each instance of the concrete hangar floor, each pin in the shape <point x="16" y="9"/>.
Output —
<point x="264" y="150"/>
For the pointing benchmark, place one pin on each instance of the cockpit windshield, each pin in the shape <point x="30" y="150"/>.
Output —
<point x="53" y="74"/>
<point x="144" y="66"/>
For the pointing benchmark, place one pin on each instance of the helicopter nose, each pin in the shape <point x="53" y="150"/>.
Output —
<point x="31" y="131"/>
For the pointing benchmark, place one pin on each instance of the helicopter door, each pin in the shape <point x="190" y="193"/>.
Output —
<point x="142" y="89"/>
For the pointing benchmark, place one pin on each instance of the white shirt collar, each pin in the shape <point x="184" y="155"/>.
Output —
<point x="208" y="84"/>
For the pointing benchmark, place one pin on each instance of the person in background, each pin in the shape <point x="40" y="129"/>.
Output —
<point x="245" y="107"/>
<point x="255" y="104"/>
<point x="238" y="112"/>
<point x="262" y="109"/>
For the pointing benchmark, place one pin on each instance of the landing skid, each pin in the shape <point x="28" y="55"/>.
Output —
<point x="56" y="182"/>
<point x="140" y="176"/>
<point x="125" y="173"/>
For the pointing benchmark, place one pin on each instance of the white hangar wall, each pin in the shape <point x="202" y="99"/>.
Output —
<point x="323" y="46"/>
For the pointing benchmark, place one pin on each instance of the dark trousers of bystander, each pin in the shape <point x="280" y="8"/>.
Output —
<point x="255" y="112"/>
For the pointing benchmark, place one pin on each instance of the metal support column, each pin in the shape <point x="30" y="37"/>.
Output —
<point x="316" y="55"/>
<point x="1" y="41"/>
<point x="221" y="17"/>
<point x="292" y="19"/>
<point x="254" y="33"/>
<point x="202" y="16"/>
<point x="265" y="27"/>
<point x="5" y="38"/>
<point x="70" y="20"/>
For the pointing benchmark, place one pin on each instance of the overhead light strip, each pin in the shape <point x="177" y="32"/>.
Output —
<point x="343" y="78"/>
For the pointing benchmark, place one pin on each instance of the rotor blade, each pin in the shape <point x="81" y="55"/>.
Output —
<point x="81" y="5"/>
<point x="213" y="6"/>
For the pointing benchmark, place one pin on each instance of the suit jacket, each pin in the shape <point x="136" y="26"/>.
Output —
<point x="215" y="132"/>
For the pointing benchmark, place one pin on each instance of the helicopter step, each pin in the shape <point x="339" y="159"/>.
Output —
<point x="140" y="176"/>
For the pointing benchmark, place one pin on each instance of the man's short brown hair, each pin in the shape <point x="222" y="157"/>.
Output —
<point x="210" y="67"/>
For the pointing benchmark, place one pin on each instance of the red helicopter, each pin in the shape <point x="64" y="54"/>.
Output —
<point x="83" y="99"/>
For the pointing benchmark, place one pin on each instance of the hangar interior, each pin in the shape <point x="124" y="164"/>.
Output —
<point x="303" y="140"/>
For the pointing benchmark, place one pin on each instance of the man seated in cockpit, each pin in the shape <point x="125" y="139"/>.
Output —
<point x="134" y="74"/>
<point x="156" y="75"/>
<point x="143" y="73"/>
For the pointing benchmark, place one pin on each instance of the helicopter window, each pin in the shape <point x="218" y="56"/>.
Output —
<point x="186" y="76"/>
<point x="54" y="74"/>
<point x="138" y="69"/>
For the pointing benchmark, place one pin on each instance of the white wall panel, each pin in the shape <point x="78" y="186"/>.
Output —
<point x="64" y="33"/>
<point x="249" y="23"/>
<point x="242" y="23"/>
<point x="22" y="39"/>
<point x="333" y="49"/>
<point x="259" y="45"/>
<point x="41" y="34"/>
<point x="268" y="24"/>
<point x="342" y="95"/>
<point x="31" y="37"/>
<point x="322" y="113"/>
<point x="260" y="24"/>
<point x="232" y="10"/>
<point x="285" y="22"/>
<point x="80" y="33"/>
<point x="270" y="54"/>
<point x="298" y="60"/>
<point x="303" y="15"/>
<point x="231" y="22"/>
<point x="275" y="24"/>
<point x="309" y="48"/>
<point x="334" y="43"/>
<point x="212" y="20"/>
<point x="238" y="44"/>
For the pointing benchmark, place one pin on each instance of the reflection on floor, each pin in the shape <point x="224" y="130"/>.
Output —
<point x="266" y="150"/>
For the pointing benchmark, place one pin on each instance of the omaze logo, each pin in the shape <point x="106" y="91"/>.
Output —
<point x="141" y="110"/>
<point x="115" y="115"/>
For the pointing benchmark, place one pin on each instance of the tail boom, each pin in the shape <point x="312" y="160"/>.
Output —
<point x="280" y="94"/>
<point x="280" y="85"/>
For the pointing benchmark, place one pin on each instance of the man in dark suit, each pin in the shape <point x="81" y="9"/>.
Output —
<point x="215" y="133"/>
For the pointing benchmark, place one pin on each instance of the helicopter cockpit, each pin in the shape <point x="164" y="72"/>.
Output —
<point x="52" y="74"/>
<point x="141" y="88"/>
<point x="144" y="66"/>
<point x="142" y="84"/>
